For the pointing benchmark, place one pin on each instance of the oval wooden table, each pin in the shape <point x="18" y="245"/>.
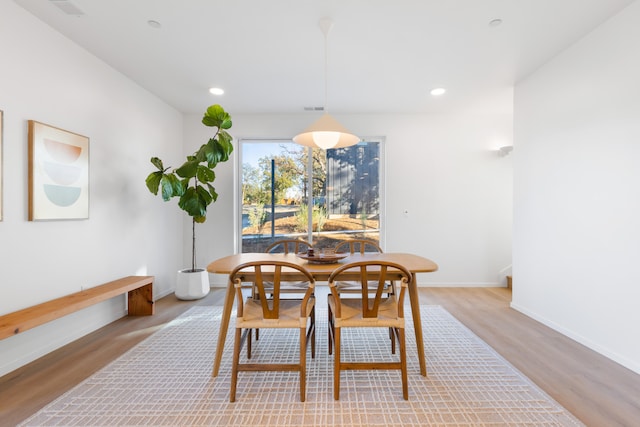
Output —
<point x="321" y="272"/>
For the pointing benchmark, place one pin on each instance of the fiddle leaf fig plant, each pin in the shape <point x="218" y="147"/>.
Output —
<point x="192" y="182"/>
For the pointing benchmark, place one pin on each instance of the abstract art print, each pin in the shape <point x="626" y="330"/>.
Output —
<point x="58" y="173"/>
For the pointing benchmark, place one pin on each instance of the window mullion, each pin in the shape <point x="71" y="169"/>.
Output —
<point x="310" y="195"/>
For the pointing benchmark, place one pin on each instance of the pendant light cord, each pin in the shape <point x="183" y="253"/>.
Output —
<point x="326" y="68"/>
<point x="325" y="26"/>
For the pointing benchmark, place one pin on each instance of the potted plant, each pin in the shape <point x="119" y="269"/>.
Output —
<point x="192" y="184"/>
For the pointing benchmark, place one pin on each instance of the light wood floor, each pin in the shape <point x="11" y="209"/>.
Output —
<point x="596" y="390"/>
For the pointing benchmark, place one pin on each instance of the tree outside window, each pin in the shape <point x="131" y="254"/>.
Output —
<point x="345" y="193"/>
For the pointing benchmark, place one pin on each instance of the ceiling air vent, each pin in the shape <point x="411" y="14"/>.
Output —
<point x="67" y="7"/>
<point x="313" y="108"/>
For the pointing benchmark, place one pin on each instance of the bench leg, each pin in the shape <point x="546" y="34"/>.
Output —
<point x="141" y="301"/>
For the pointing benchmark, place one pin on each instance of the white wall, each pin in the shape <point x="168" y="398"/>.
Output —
<point x="47" y="78"/>
<point x="577" y="186"/>
<point x="443" y="169"/>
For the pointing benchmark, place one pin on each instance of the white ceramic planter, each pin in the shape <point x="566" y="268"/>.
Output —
<point x="192" y="284"/>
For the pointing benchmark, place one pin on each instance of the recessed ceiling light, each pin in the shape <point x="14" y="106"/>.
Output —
<point x="216" y="91"/>
<point x="438" y="91"/>
<point x="495" y="22"/>
<point x="154" y="24"/>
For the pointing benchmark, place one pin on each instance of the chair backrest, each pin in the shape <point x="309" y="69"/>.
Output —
<point x="371" y="274"/>
<point x="287" y="245"/>
<point x="357" y="245"/>
<point x="271" y="273"/>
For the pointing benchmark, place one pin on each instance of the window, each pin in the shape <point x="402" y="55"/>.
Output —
<point x="291" y="191"/>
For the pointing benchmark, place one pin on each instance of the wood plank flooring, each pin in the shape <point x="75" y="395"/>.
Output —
<point x="595" y="389"/>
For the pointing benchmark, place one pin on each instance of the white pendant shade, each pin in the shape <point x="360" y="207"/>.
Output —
<point x="326" y="133"/>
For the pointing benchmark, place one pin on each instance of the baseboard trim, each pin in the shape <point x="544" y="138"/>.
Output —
<point x="428" y="285"/>
<point x="462" y="285"/>
<point x="621" y="360"/>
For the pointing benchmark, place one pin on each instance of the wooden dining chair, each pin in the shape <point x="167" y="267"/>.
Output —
<point x="353" y="246"/>
<point x="295" y="288"/>
<point x="360" y="246"/>
<point x="272" y="313"/>
<point x="286" y="246"/>
<point x="368" y="312"/>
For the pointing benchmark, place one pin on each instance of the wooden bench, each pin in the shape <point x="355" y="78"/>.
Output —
<point x="140" y="303"/>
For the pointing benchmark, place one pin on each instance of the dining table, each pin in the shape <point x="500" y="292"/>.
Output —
<point x="321" y="272"/>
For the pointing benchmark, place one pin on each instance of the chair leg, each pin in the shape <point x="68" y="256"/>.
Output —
<point x="255" y="296"/>
<point x="403" y="363"/>
<point x="313" y="333"/>
<point x="392" y="336"/>
<point x="234" y="368"/>
<point x="330" y="329"/>
<point x="249" y="344"/>
<point x="303" y="362"/>
<point x="336" y="364"/>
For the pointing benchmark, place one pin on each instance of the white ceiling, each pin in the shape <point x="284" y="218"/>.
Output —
<point x="383" y="56"/>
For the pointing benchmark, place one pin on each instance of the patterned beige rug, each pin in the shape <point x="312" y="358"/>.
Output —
<point x="166" y="381"/>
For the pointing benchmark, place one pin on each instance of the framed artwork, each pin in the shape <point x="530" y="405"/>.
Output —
<point x="1" y="130"/>
<point x="58" y="173"/>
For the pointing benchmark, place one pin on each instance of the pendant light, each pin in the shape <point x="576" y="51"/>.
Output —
<point x="326" y="132"/>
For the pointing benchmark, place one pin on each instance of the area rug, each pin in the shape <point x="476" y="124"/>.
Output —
<point x="166" y="381"/>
